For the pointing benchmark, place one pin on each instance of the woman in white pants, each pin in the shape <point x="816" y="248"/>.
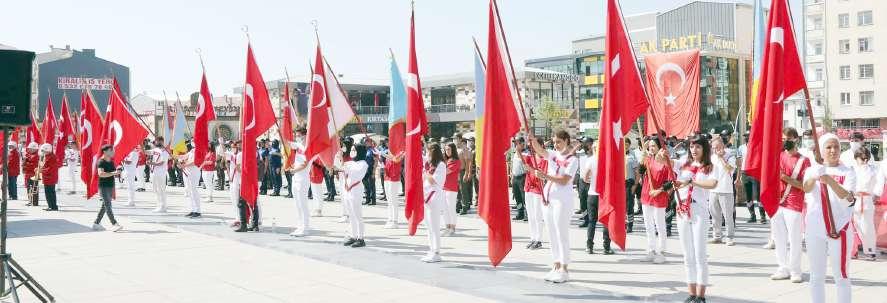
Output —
<point x="392" y="187"/>
<point x="786" y="223"/>
<point x="433" y="178"/>
<point x="451" y="188"/>
<point x="208" y="171"/>
<point x="353" y="171"/>
<point x="557" y="200"/>
<point x="864" y="210"/>
<point x="299" y="172"/>
<point x="655" y="191"/>
<point x="235" y="158"/>
<point x="829" y="211"/>
<point x="533" y="195"/>
<point x="315" y="178"/>
<point x="192" y="178"/>
<point x="696" y="177"/>
<point x="159" y="162"/>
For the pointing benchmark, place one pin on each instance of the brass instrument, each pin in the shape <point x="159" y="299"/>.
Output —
<point x="33" y="193"/>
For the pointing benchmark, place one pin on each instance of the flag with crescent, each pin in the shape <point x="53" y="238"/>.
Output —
<point x="122" y="129"/>
<point x="258" y="116"/>
<point x="417" y="127"/>
<point x="91" y="126"/>
<point x="66" y="130"/>
<point x="205" y="114"/>
<point x="673" y="89"/>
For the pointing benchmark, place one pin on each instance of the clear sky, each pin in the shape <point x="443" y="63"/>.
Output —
<point x="157" y="39"/>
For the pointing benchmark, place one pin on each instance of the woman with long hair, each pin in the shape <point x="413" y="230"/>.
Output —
<point x="656" y="186"/>
<point x="557" y="200"/>
<point x="433" y="180"/>
<point x="353" y="170"/>
<point x="451" y="188"/>
<point x="696" y="177"/>
<point x="533" y="188"/>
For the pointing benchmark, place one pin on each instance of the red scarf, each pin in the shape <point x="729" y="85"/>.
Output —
<point x="684" y="205"/>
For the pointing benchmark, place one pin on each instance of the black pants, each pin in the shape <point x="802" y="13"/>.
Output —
<point x="49" y="190"/>
<point x="107" y="194"/>
<point x="753" y="193"/>
<point x="276" y="179"/>
<point x="289" y="183"/>
<point x="592" y="223"/>
<point x="33" y="192"/>
<point x="247" y="213"/>
<point x="147" y="173"/>
<point x="369" y="184"/>
<point x="517" y="191"/>
<point x="330" y="185"/>
<point x="466" y="191"/>
<point x="629" y="201"/>
<point x="382" y="176"/>
<point x="582" y="187"/>
<point x="220" y="176"/>
<point x="12" y="187"/>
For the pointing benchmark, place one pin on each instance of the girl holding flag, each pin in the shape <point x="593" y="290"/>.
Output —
<point x="433" y="180"/>
<point x="353" y="170"/>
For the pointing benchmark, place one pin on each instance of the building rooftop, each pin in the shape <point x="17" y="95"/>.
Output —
<point x="4" y="46"/>
<point x="468" y="77"/>
<point x="56" y="54"/>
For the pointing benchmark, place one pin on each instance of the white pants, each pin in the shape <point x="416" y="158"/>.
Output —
<point x="315" y="195"/>
<point x="721" y="207"/>
<point x="72" y="172"/>
<point x="130" y="179"/>
<point x="234" y="192"/>
<point x="818" y="248"/>
<point x="346" y="202"/>
<point x="786" y="229"/>
<point x="140" y="171"/>
<point x="449" y="211"/>
<point x="693" y="232"/>
<point x="533" y="202"/>
<point x="391" y="190"/>
<point x="209" y="178"/>
<point x="159" y="182"/>
<point x="864" y="219"/>
<point x="300" y="194"/>
<point x="433" y="208"/>
<point x="191" y="183"/>
<point x="351" y="201"/>
<point x="557" y="218"/>
<point x="654" y="223"/>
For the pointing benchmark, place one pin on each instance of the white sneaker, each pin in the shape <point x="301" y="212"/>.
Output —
<point x="550" y="275"/>
<point x="342" y="219"/>
<point x="560" y="277"/>
<point x="97" y="227"/>
<point x="730" y="242"/>
<point x="659" y="259"/>
<point x="298" y="233"/>
<point x="770" y="245"/>
<point x="714" y="241"/>
<point x="797" y="279"/>
<point x="779" y="275"/>
<point x="116" y="228"/>
<point x="159" y="210"/>
<point x="649" y="257"/>
<point x="391" y="225"/>
<point x="431" y="258"/>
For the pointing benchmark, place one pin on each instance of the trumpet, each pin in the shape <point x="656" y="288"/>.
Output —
<point x="38" y="172"/>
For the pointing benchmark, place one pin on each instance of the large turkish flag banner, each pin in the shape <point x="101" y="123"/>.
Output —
<point x="673" y="87"/>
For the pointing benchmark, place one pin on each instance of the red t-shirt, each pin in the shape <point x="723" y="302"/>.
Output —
<point x="657" y="174"/>
<point x="795" y="198"/>
<point x="392" y="171"/>
<point x="15" y="163"/>
<point x="315" y="175"/>
<point x="451" y="183"/>
<point x="50" y="170"/>
<point x="142" y="159"/>
<point x="209" y="162"/>
<point x="533" y="184"/>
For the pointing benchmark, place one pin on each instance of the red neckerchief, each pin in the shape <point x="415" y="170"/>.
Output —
<point x="684" y="205"/>
<point x="430" y="170"/>
<point x="557" y="170"/>
<point x="827" y="215"/>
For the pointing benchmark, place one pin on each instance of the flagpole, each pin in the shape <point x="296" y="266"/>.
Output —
<point x="511" y="65"/>
<point x="476" y="48"/>
<point x="203" y="69"/>
<point x="136" y="114"/>
<point x="816" y="152"/>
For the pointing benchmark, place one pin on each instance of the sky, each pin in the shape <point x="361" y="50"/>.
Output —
<point x="158" y="39"/>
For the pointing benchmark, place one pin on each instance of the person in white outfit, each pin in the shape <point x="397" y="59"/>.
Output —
<point x="235" y="158"/>
<point x="695" y="178"/>
<point x="191" y="172"/>
<point x="786" y="223"/>
<point x="557" y="200"/>
<point x="393" y="164"/>
<point x="353" y="170"/>
<point x="721" y="198"/>
<point x="71" y="156"/>
<point x="140" y="166"/>
<point x="848" y="157"/>
<point x="208" y="171"/>
<point x="533" y="195"/>
<point x="433" y="177"/>
<point x="829" y="210"/>
<point x="129" y="173"/>
<point x="864" y="210"/>
<point x="299" y="172"/>
<point x="158" y="160"/>
<point x="451" y="189"/>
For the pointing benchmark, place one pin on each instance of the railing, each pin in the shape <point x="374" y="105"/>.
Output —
<point x="190" y="111"/>
<point x="371" y="110"/>
<point x="441" y="108"/>
<point x="868" y="132"/>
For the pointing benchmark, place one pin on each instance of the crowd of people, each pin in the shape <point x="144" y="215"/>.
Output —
<point x="694" y="181"/>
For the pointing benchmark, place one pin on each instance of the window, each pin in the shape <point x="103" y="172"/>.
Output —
<point x="818" y="74"/>
<point x="866" y="71"/>
<point x="844" y="46"/>
<point x="818" y="95"/>
<point x="845" y="72"/>
<point x="815" y="48"/>
<point x="866" y="97"/>
<point x="844" y="20"/>
<point x="815" y="22"/>
<point x="845" y="98"/>
<point x="865" y="45"/>
<point x="864" y="18"/>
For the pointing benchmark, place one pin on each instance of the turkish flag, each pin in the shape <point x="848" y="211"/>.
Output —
<point x="122" y="130"/>
<point x="91" y="126"/>
<point x="286" y="133"/>
<point x="319" y="142"/>
<point x="66" y="130"/>
<point x="258" y="117"/>
<point x="32" y="133"/>
<point x="673" y="87"/>
<point x="417" y="126"/>
<point x="205" y="113"/>
<point x="781" y="77"/>
<point x="624" y="101"/>
<point x="50" y="123"/>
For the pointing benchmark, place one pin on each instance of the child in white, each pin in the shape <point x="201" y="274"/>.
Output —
<point x="393" y="165"/>
<point x="864" y="210"/>
<point x="129" y="167"/>
<point x="696" y="177"/>
<point x="433" y="179"/>
<point x="235" y="158"/>
<point x="828" y="189"/>
<point x="192" y="178"/>
<point x="71" y="155"/>
<point x="300" y="190"/>
<point x="557" y="200"/>
<point x="158" y="162"/>
<point x="353" y="172"/>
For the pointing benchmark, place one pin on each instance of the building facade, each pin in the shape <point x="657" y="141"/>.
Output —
<point x="65" y="71"/>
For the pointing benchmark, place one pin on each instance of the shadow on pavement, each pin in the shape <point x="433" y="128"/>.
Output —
<point x="44" y="227"/>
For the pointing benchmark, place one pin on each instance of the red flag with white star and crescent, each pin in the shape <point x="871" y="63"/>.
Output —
<point x="205" y="114"/>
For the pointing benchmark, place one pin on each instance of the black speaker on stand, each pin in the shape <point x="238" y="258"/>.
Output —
<point x="15" y="108"/>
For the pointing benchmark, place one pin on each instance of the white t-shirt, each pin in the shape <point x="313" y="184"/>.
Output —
<point x="299" y="155"/>
<point x="354" y="173"/>
<point x="590" y="169"/>
<point x="133" y="159"/>
<point x="841" y="212"/>
<point x="159" y="154"/>
<point x="699" y="195"/>
<point x="234" y="159"/>
<point x="725" y="178"/>
<point x="191" y="170"/>
<point x="71" y="157"/>
<point x="439" y="176"/>
<point x="866" y="178"/>
<point x="560" y="165"/>
<point x="880" y="179"/>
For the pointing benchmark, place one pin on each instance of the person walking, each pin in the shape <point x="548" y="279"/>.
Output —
<point x="106" y="173"/>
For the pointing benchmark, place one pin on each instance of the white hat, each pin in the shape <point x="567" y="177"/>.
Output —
<point x="824" y="139"/>
<point x="46" y="147"/>
<point x="11" y="143"/>
<point x="32" y="145"/>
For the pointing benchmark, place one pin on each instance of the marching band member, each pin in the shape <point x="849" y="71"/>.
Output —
<point x="208" y="171"/>
<point x="696" y="177"/>
<point x="786" y="223"/>
<point x="300" y="183"/>
<point x="29" y="169"/>
<point x="434" y="176"/>
<point x="158" y="163"/>
<point x="393" y="172"/>
<point x="192" y="179"/>
<point x="829" y="210"/>
<point x="14" y="160"/>
<point x="655" y="192"/>
<point x="141" y="167"/>
<point x="533" y="187"/>
<point x="49" y="174"/>
<point x="451" y="188"/>
<point x="71" y="156"/>
<point x="864" y="210"/>
<point x="557" y="200"/>
<point x="353" y="169"/>
<point x="130" y="170"/>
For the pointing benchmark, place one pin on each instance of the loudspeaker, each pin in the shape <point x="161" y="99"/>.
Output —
<point x="15" y="87"/>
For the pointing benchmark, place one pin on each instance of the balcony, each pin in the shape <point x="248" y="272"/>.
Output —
<point x="371" y="110"/>
<point x="449" y="108"/>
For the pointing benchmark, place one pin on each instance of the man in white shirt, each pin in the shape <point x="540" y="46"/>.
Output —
<point x="192" y="179"/>
<point x="71" y="155"/>
<point x="721" y="197"/>
<point x="847" y="156"/>
<point x="130" y="170"/>
<point x="157" y="160"/>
